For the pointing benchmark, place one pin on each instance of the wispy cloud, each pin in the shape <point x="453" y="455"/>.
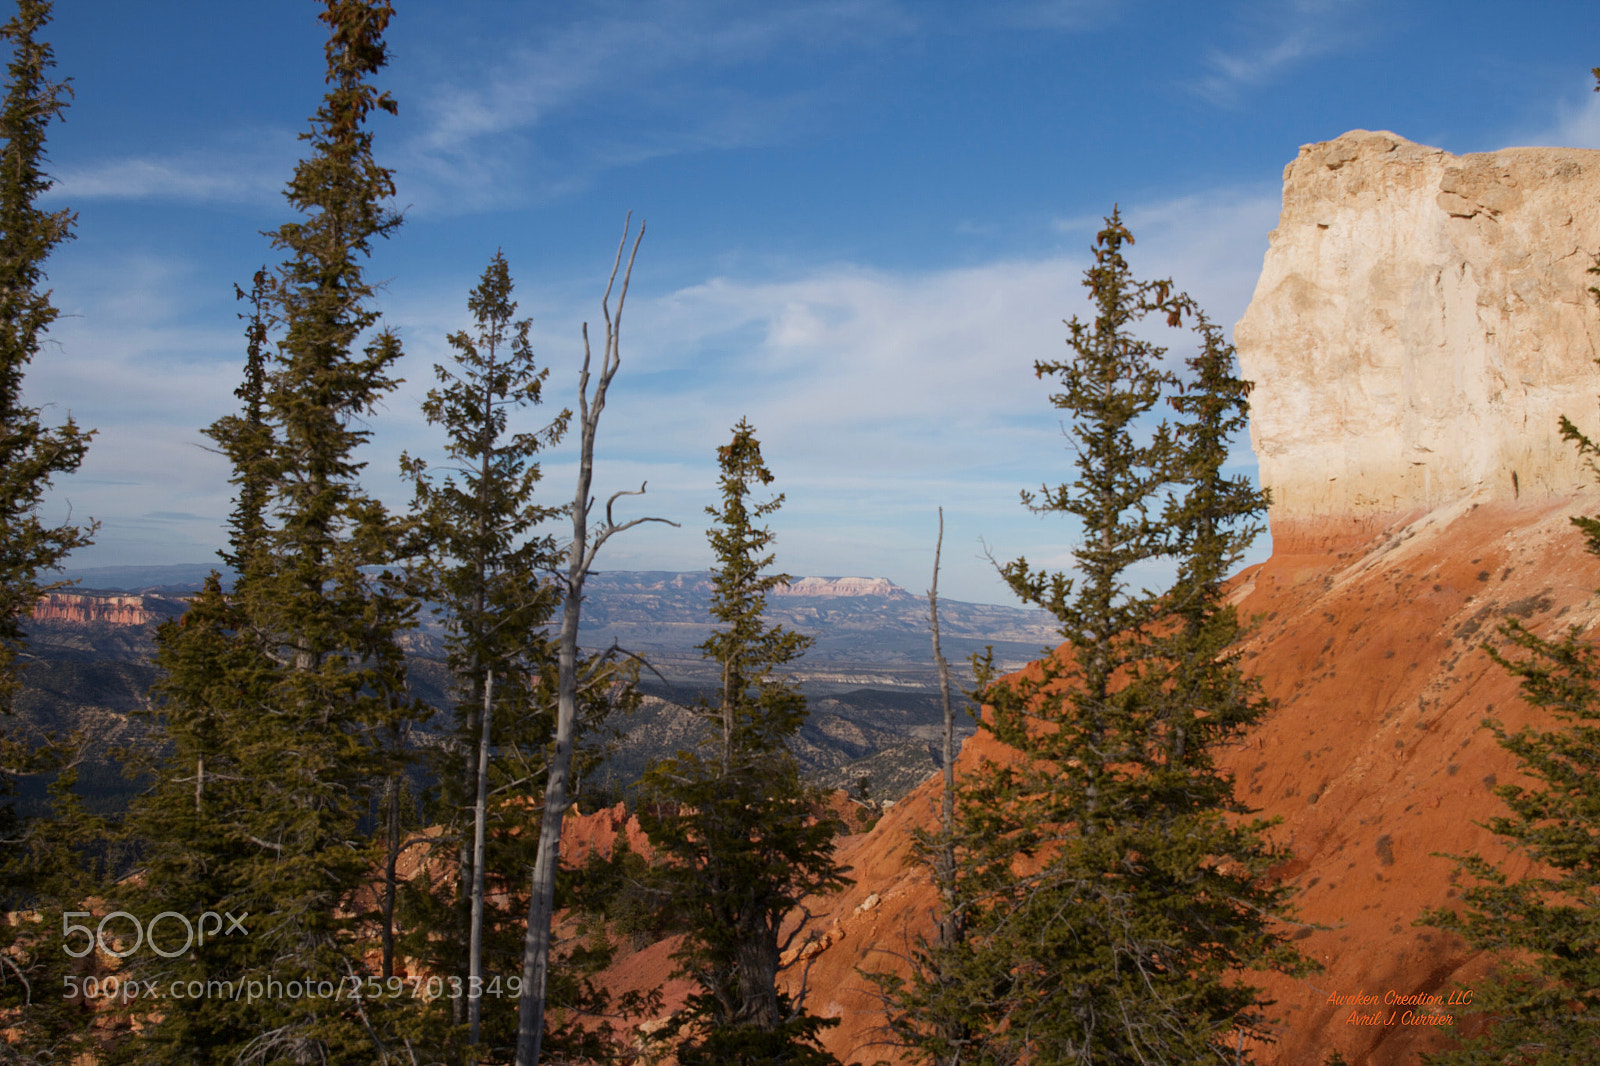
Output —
<point x="612" y="86"/>
<point x="1058" y="14"/>
<point x="1276" y="37"/>
<point x="239" y="172"/>
<point x="620" y="85"/>
<point x="1576" y="123"/>
<point x="124" y="361"/>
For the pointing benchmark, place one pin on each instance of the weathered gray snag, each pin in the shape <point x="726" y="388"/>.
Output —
<point x="480" y="821"/>
<point x="580" y="557"/>
<point x="944" y="860"/>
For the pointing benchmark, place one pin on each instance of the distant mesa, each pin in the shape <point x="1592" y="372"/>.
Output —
<point x="842" y="586"/>
<point x="128" y="607"/>
<point x="98" y="608"/>
<point x="700" y="581"/>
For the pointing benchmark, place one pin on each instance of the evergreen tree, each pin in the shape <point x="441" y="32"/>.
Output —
<point x="285" y="702"/>
<point x="482" y="568"/>
<point x="1110" y="890"/>
<point x="247" y="437"/>
<point x="41" y="861"/>
<point x="31" y="455"/>
<point x="738" y="832"/>
<point x="211" y="706"/>
<point x="338" y="701"/>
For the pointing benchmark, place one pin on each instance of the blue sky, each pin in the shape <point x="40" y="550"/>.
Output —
<point x="867" y="218"/>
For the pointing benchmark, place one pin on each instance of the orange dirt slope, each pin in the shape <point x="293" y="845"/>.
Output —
<point x="1374" y="758"/>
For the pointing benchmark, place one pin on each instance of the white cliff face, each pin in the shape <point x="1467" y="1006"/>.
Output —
<point x="1421" y="323"/>
<point x="841" y="586"/>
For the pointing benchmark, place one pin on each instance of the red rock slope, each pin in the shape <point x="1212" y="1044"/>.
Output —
<point x="1374" y="758"/>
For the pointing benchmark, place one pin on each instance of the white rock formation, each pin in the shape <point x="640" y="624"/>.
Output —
<point x="1421" y="323"/>
<point x="841" y="586"/>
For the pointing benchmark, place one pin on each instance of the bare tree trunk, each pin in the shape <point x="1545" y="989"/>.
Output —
<point x="390" y="880"/>
<point x="952" y="928"/>
<point x="759" y="960"/>
<point x="461" y="908"/>
<point x="480" y="819"/>
<point x="580" y="557"/>
<point x="944" y="863"/>
<point x="480" y="806"/>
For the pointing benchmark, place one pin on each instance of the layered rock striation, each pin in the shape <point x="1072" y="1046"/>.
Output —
<point x="1421" y="323"/>
<point x="107" y="609"/>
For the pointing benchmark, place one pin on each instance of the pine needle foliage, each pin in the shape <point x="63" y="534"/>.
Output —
<point x="740" y="836"/>
<point x="291" y="689"/>
<point x="1111" y="887"/>
<point x="42" y="858"/>
<point x="482" y="565"/>
<point x="31" y="454"/>
<point x="247" y="437"/>
<point x="190" y="832"/>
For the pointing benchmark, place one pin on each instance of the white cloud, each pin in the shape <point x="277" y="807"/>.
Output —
<point x="1576" y="123"/>
<point x="251" y="171"/>
<point x="1277" y="37"/>
<point x="122" y="361"/>
<point x="879" y="396"/>
<point x="1058" y="14"/>
<point x="646" y="64"/>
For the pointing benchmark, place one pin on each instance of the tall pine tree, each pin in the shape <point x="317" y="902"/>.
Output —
<point x="31" y="454"/>
<point x="1110" y="887"/>
<point x="38" y="860"/>
<point x="327" y="743"/>
<point x="286" y="700"/>
<point x="482" y="566"/>
<point x="738" y="832"/>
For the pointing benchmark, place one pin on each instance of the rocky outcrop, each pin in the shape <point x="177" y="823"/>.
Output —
<point x="640" y="582"/>
<point x="843" y="586"/>
<point x="1421" y="323"/>
<point x="105" y="609"/>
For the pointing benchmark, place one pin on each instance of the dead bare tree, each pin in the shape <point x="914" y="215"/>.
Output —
<point x="580" y="557"/>
<point x="944" y="858"/>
